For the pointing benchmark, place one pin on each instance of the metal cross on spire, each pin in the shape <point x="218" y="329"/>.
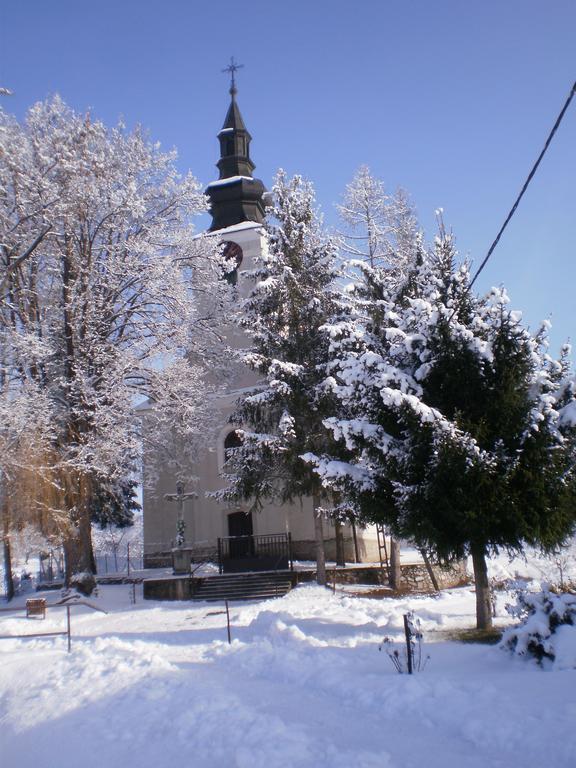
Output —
<point x="232" y="68"/>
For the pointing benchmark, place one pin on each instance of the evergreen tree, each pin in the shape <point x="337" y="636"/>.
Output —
<point x="115" y="504"/>
<point x="457" y="422"/>
<point x="293" y="297"/>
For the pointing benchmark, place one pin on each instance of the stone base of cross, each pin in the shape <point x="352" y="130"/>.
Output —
<point x="180" y="497"/>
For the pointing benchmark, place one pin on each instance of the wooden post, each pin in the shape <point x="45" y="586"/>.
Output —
<point x="395" y="570"/>
<point x="68" y="628"/>
<point x="319" y="539"/>
<point x="408" y="643"/>
<point x="228" y="622"/>
<point x="290" y="558"/>
<point x="339" y="535"/>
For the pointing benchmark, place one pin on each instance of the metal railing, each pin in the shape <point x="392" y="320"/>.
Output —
<point x="255" y="552"/>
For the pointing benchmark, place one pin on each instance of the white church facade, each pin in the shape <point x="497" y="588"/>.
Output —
<point x="212" y="528"/>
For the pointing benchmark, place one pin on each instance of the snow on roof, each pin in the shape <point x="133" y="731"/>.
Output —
<point x="236" y="228"/>
<point x="226" y="130"/>
<point x="229" y="180"/>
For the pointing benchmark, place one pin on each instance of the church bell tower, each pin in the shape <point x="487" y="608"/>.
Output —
<point x="236" y="197"/>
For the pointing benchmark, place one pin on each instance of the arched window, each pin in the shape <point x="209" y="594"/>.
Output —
<point x="232" y="254"/>
<point x="232" y="440"/>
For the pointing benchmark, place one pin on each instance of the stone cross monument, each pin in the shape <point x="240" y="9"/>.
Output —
<point x="179" y="497"/>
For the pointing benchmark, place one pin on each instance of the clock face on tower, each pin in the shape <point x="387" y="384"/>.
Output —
<point x="232" y="254"/>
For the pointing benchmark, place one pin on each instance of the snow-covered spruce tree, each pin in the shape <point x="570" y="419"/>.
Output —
<point x="283" y="419"/>
<point x="99" y="272"/>
<point x="380" y="237"/>
<point x="115" y="504"/>
<point x="457" y="421"/>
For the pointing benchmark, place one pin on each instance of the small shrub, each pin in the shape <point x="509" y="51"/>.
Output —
<point x="399" y="658"/>
<point x="542" y="613"/>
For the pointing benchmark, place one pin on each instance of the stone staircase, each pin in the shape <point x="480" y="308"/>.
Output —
<point x="244" y="586"/>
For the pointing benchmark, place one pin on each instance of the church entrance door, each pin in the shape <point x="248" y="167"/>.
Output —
<point x="240" y="530"/>
<point x="240" y="524"/>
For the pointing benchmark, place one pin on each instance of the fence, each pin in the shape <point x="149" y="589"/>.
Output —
<point x="122" y="559"/>
<point x="61" y="633"/>
<point x="119" y="559"/>
<point x="46" y="569"/>
<point x="256" y="552"/>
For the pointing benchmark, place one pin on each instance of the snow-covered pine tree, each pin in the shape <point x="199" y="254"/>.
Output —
<point x="456" y="419"/>
<point x="115" y="504"/>
<point x="293" y="297"/>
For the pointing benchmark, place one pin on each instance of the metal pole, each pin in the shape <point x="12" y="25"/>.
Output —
<point x="128" y="559"/>
<point x="68" y="628"/>
<point x="228" y="622"/>
<point x="408" y="644"/>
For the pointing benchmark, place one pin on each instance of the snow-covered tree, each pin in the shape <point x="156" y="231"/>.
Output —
<point x="379" y="229"/>
<point x="456" y="420"/>
<point x="115" y="504"/>
<point x="293" y="297"/>
<point x="99" y="277"/>
<point x="380" y="238"/>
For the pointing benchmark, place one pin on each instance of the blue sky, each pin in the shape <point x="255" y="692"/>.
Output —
<point x="450" y="99"/>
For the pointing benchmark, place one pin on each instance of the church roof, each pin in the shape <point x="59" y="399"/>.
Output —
<point x="233" y="117"/>
<point x="237" y="196"/>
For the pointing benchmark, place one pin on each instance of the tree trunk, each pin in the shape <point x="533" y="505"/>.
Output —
<point x="78" y="557"/>
<point x="430" y="570"/>
<point x="78" y="551"/>
<point x="319" y="536"/>
<point x="340" y="558"/>
<point x="355" y="537"/>
<point x="8" y="578"/>
<point x="395" y="570"/>
<point x="483" y="602"/>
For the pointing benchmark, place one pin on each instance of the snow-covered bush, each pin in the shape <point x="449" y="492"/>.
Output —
<point x="85" y="583"/>
<point x="543" y="613"/>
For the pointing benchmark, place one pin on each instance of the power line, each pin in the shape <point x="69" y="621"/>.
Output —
<point x="525" y="186"/>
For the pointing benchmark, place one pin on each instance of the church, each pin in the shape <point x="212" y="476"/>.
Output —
<point x="231" y="534"/>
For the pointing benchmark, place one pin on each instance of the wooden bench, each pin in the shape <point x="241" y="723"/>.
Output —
<point x="36" y="607"/>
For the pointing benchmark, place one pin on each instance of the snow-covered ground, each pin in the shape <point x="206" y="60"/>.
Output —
<point x="303" y="685"/>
